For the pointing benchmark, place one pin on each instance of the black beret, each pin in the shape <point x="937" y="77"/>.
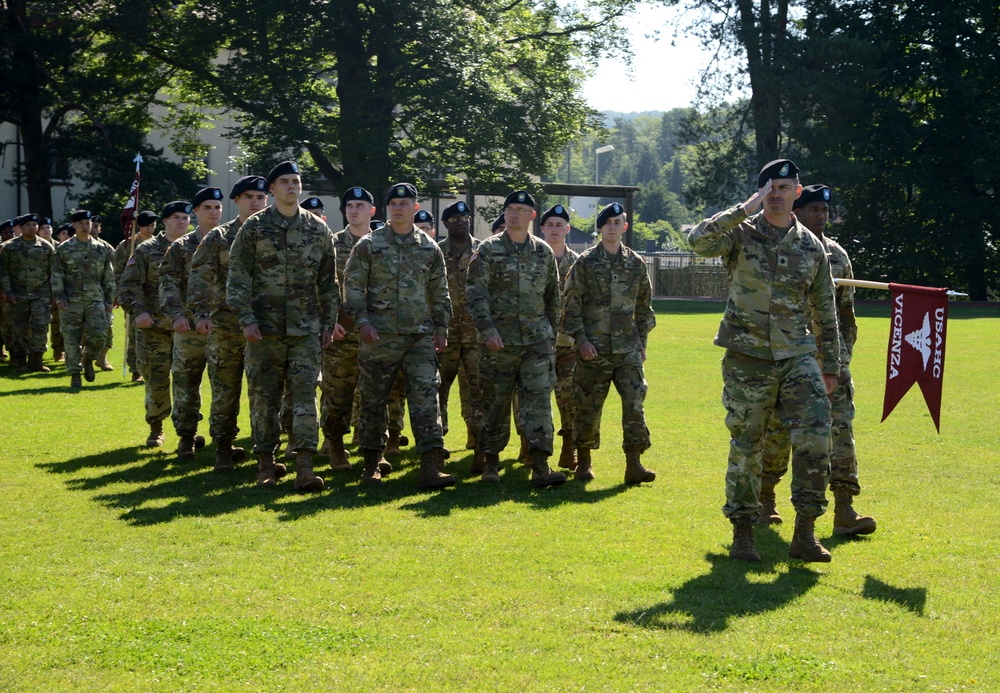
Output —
<point x="401" y="190"/>
<point x="175" y="207"/>
<point x="557" y="211"/>
<point x="44" y="221"/>
<point x="25" y="218"/>
<point x="245" y="183"/>
<point x="146" y="218"/>
<point x="779" y="168"/>
<point x="205" y="195"/>
<point x="456" y="209"/>
<point x="80" y="215"/>
<point x="612" y="210"/>
<point x="519" y="197"/>
<point x="355" y="194"/>
<point x="283" y="169"/>
<point x="97" y="219"/>
<point x="64" y="227"/>
<point x="497" y="223"/>
<point x="813" y="193"/>
<point x="423" y="217"/>
<point x="8" y="223"/>
<point x="312" y="204"/>
<point x="376" y="224"/>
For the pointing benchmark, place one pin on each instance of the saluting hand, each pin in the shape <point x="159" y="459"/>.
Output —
<point x="757" y="199"/>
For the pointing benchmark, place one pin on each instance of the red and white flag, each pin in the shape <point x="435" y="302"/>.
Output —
<point x="132" y="205"/>
<point x="916" y="346"/>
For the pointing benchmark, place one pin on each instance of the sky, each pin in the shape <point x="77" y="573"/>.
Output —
<point x="663" y="76"/>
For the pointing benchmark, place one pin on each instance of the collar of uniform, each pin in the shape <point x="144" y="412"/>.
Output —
<point x="408" y="239"/>
<point x="529" y="243"/>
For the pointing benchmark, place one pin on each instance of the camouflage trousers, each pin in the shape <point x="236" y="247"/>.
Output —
<point x="269" y="364"/>
<point x="154" y="354"/>
<point x="461" y="360"/>
<point x="340" y="383"/>
<point x="530" y="372"/>
<point x="6" y="338"/>
<point x="224" y="355"/>
<point x="83" y="325"/>
<point x="395" y="406"/>
<point x="132" y="339"/>
<point x="187" y="370"/>
<point x="381" y="364"/>
<point x="791" y="389"/>
<point x="566" y="358"/>
<point x="30" y="325"/>
<point x="843" y="459"/>
<point x="57" y="339"/>
<point x="591" y="383"/>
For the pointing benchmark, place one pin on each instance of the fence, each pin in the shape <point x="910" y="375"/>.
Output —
<point x="686" y="274"/>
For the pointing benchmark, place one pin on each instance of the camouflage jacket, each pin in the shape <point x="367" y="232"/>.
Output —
<point x="81" y="271"/>
<point x="283" y="275"/>
<point x="174" y="272"/>
<point x="608" y="301"/>
<point x="513" y="291"/>
<point x="847" y="322"/>
<point x="344" y="241"/>
<point x="563" y="264"/>
<point x="121" y="256"/>
<point x="462" y="329"/>
<point x="206" y="285"/>
<point x="397" y="284"/>
<point x="26" y="268"/>
<point x="779" y="286"/>
<point x="140" y="286"/>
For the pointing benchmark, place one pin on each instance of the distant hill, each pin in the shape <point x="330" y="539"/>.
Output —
<point x="610" y="116"/>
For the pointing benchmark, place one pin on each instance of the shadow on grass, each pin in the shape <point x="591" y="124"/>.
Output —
<point x="731" y="589"/>
<point x="159" y="488"/>
<point x="912" y="598"/>
<point x="57" y="380"/>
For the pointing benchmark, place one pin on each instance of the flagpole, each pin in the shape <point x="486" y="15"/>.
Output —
<point x="133" y="202"/>
<point x="865" y="284"/>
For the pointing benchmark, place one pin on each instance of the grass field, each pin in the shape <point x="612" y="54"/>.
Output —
<point x="122" y="570"/>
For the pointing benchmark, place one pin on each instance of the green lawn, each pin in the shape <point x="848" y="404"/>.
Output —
<point x="125" y="571"/>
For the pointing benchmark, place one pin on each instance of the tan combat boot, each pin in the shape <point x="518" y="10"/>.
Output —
<point x="541" y="475"/>
<point x="804" y="544"/>
<point x="522" y="455"/>
<point x="635" y="473"/>
<point x="384" y="466"/>
<point x="266" y="478"/>
<point x="102" y="361"/>
<point x="305" y="479"/>
<point x="584" y="467"/>
<point x="845" y="519"/>
<point x="567" y="456"/>
<point x="35" y="363"/>
<point x="371" y="475"/>
<point x="155" y="437"/>
<point x="338" y="454"/>
<point x="392" y="444"/>
<point x="743" y="548"/>
<point x="491" y="467"/>
<point x="185" y="448"/>
<point x="57" y="356"/>
<point x="223" y="459"/>
<point x="769" y="513"/>
<point x="290" y="448"/>
<point x="478" y="461"/>
<point x="430" y="476"/>
<point x="470" y="441"/>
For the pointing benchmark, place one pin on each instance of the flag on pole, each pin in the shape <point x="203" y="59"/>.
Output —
<point x="916" y="346"/>
<point x="132" y="206"/>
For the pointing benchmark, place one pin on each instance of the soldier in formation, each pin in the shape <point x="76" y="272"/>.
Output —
<point x="25" y="286"/>
<point x="145" y="229"/>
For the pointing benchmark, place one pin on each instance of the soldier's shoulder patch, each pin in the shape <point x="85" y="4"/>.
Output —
<point x="475" y="255"/>
<point x="131" y="261"/>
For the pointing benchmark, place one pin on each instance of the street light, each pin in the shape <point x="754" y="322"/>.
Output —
<point x="597" y="161"/>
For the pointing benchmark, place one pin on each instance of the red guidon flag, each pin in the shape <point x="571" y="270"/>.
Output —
<point x="916" y="346"/>
<point x="131" y="209"/>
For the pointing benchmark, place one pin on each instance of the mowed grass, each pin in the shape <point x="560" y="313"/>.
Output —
<point x="122" y="570"/>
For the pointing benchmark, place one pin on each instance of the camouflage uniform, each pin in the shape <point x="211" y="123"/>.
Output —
<point x="82" y="276"/>
<point x="118" y="260"/>
<point x="566" y="356"/>
<point x="513" y="292"/>
<point x="225" y="344"/>
<point x="189" y="348"/>
<point x="283" y="278"/>
<point x="140" y="293"/>
<point x="25" y="274"/>
<point x="397" y="284"/>
<point x="110" y="341"/>
<point x="608" y="303"/>
<point x="779" y="282"/>
<point x="462" y="353"/>
<point x="843" y="461"/>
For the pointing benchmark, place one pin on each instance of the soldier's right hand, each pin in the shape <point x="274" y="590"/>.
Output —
<point x="181" y="325"/>
<point x="144" y="320"/>
<point x="62" y="305"/>
<point x="369" y="335"/>
<point x="587" y="351"/>
<point x="204" y="326"/>
<point x="756" y="200"/>
<point x="252" y="333"/>
<point x="494" y="343"/>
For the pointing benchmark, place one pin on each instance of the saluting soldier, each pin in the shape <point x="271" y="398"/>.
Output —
<point x="513" y="296"/>
<point x="83" y="284"/>
<point x="25" y="281"/>
<point x="780" y="286"/>
<point x="145" y="228"/>
<point x="608" y="313"/>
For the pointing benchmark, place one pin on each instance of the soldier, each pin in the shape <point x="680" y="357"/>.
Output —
<point x="513" y="296"/>
<point x="283" y="289"/>
<point x="424" y="221"/>
<point x="461" y="358"/>
<point x="224" y="342"/>
<point x="397" y="292"/>
<point x="145" y="229"/>
<point x="498" y="225"/>
<point x="140" y="296"/>
<point x="83" y="284"/>
<point x="62" y="234"/>
<point x="780" y="284"/>
<point x="45" y="229"/>
<point x="6" y="233"/>
<point x="95" y="232"/>
<point x="812" y="210"/>
<point x="555" y="227"/>
<point x="608" y="313"/>
<point x="188" y="357"/>
<point x="25" y="282"/>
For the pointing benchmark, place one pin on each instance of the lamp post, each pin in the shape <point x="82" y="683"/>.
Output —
<point x="597" y="161"/>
